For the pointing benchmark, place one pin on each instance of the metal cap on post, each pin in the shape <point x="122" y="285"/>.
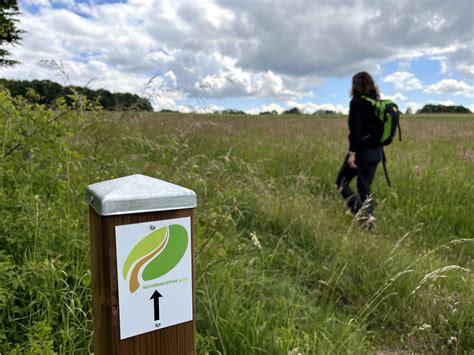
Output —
<point x="142" y="233"/>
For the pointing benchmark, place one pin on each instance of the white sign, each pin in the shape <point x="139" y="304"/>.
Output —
<point x="154" y="271"/>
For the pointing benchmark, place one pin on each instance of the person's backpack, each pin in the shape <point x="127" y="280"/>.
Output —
<point x="384" y="126"/>
<point x="387" y="119"/>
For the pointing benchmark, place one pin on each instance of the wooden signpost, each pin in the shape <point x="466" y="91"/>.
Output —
<point x="142" y="232"/>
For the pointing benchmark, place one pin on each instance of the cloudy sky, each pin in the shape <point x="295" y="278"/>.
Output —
<point x="253" y="55"/>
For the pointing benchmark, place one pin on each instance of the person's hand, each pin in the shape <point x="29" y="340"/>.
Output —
<point x="351" y="160"/>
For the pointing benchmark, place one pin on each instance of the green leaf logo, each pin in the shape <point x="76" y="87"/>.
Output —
<point x="160" y="251"/>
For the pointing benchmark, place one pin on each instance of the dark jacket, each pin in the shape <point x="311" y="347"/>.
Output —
<point x="361" y="114"/>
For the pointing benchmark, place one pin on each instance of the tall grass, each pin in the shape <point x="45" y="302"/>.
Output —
<point x="281" y="268"/>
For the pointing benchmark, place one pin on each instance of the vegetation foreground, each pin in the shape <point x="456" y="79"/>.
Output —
<point x="281" y="267"/>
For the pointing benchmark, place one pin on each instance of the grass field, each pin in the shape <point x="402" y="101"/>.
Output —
<point x="281" y="267"/>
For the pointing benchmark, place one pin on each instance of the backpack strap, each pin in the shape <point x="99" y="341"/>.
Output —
<point x="384" y="161"/>
<point x="371" y="100"/>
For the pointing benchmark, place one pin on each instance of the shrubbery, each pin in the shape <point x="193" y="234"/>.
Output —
<point x="45" y="288"/>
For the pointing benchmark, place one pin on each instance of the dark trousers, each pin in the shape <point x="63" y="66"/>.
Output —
<point x="367" y="160"/>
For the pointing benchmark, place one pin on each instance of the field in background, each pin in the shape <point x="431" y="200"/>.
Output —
<point x="281" y="267"/>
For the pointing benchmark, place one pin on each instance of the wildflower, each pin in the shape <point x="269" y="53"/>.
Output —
<point x="255" y="241"/>
<point x="452" y="340"/>
<point x="443" y="319"/>
<point x="424" y="327"/>
<point x="295" y="351"/>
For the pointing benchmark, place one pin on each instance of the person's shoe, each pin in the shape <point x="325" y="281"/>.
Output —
<point x="369" y="223"/>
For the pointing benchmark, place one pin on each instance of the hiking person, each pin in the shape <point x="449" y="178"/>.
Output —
<point x="364" y="155"/>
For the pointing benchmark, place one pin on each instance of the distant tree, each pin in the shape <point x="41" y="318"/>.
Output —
<point x="273" y="112"/>
<point x="142" y="104"/>
<point x="408" y="111"/>
<point x="168" y="111"/>
<point x="325" y="112"/>
<point x="233" y="112"/>
<point x="430" y="108"/>
<point x="9" y="33"/>
<point x="293" y="111"/>
<point x="106" y="99"/>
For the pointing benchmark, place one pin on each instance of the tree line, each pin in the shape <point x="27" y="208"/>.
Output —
<point x="429" y="108"/>
<point x="47" y="92"/>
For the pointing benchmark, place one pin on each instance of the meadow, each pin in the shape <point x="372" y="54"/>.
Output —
<point x="281" y="267"/>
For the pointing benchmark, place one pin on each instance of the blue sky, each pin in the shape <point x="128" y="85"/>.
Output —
<point x="253" y="55"/>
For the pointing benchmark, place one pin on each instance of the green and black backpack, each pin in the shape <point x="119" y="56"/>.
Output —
<point x="384" y="126"/>
<point x="387" y="119"/>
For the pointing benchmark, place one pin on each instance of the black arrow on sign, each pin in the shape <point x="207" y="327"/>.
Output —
<point x="156" y="302"/>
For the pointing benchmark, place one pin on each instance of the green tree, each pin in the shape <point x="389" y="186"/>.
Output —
<point x="430" y="108"/>
<point x="9" y="33"/>
<point x="292" y="111"/>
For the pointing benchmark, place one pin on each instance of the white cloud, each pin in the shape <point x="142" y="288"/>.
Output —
<point x="397" y="96"/>
<point x="403" y="80"/>
<point x="169" y="75"/>
<point x="436" y="22"/>
<point x="446" y="103"/>
<point x="217" y="15"/>
<point x="310" y="107"/>
<point x="414" y="106"/>
<point x="163" y="103"/>
<point x="443" y="66"/>
<point x="276" y="49"/>
<point x="265" y="108"/>
<point x="450" y="86"/>
<point x="467" y="69"/>
<point x="306" y="108"/>
<point x="166" y="103"/>
<point x="209" y="109"/>
<point x="463" y="59"/>
<point x="235" y="82"/>
<point x="404" y="65"/>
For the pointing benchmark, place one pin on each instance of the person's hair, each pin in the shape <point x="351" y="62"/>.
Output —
<point x="363" y="84"/>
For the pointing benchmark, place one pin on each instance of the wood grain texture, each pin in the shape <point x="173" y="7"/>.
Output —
<point x="176" y="340"/>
